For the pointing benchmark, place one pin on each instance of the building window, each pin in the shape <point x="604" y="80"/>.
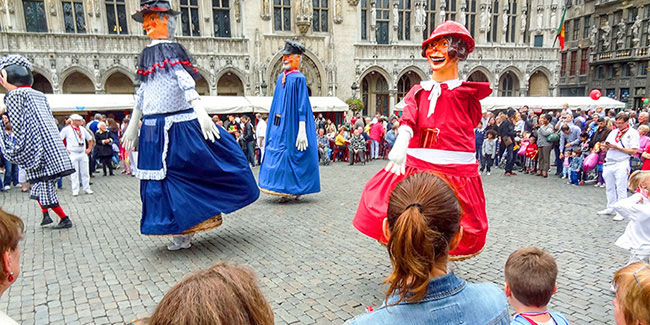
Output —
<point x="471" y="16"/>
<point x="610" y="71"/>
<point x="586" y="29"/>
<point x="35" y="20"/>
<point x="430" y="20"/>
<point x="403" y="87"/>
<point x="320" y="21"/>
<point x="383" y="21"/>
<point x="450" y="6"/>
<point x="600" y="73"/>
<point x="364" y="22"/>
<point x="631" y="14"/>
<point x="190" y="22"/>
<point x="576" y="29"/>
<point x="627" y="72"/>
<point x="584" y="61"/>
<point x="563" y="64"/>
<point x="221" y="18"/>
<point x="282" y="15"/>
<point x="116" y="17"/>
<point x="404" y="27"/>
<point x="512" y="22"/>
<point x="643" y="68"/>
<point x="539" y="41"/>
<point x="508" y="89"/>
<point x="73" y="16"/>
<point x="492" y="34"/>
<point x="610" y="92"/>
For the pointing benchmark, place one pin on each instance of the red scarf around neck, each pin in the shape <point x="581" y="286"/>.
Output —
<point x="621" y="133"/>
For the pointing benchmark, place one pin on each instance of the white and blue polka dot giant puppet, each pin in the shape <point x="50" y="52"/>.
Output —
<point x="189" y="174"/>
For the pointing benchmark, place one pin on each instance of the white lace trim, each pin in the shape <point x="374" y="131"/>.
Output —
<point x="157" y="175"/>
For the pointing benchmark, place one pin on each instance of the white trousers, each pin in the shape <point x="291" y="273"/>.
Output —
<point x="262" y="145"/>
<point x="134" y="161"/>
<point x="80" y="163"/>
<point x="615" y="176"/>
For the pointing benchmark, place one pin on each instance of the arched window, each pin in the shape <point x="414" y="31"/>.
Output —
<point x="403" y="86"/>
<point x="509" y="85"/>
<point x="116" y="17"/>
<point x="404" y="27"/>
<point x="221" y="18"/>
<point x="35" y="20"/>
<point x="430" y="20"/>
<point x="190" y="21"/>
<point x="321" y="18"/>
<point x="73" y="16"/>
<point x="282" y="15"/>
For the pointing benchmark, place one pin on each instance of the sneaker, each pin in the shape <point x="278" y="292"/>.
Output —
<point x="564" y="177"/>
<point x="605" y="212"/>
<point x="618" y="217"/>
<point x="180" y="242"/>
<point x="596" y="185"/>
<point x="488" y="173"/>
<point x="7" y="187"/>
<point x="602" y="185"/>
<point x="89" y="192"/>
<point x="75" y="193"/>
<point x="64" y="224"/>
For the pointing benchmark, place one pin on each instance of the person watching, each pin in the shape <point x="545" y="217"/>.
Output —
<point x="12" y="231"/>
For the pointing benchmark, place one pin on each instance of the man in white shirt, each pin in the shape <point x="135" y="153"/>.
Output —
<point x="75" y="137"/>
<point x="622" y="143"/>
<point x="260" y="132"/>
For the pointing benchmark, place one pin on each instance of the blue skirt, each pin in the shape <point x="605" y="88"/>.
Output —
<point x="186" y="180"/>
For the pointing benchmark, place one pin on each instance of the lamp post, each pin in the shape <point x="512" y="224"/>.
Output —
<point x="354" y="88"/>
<point x="264" y="86"/>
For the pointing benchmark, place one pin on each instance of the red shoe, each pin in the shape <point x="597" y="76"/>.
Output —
<point x="582" y="183"/>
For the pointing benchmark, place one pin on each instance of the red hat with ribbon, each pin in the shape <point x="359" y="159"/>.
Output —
<point x="147" y="6"/>
<point x="450" y="28"/>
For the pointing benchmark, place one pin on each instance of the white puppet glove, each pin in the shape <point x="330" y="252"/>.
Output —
<point x="209" y="129"/>
<point x="397" y="155"/>
<point x="301" y="139"/>
<point x="3" y="109"/>
<point x="130" y="138"/>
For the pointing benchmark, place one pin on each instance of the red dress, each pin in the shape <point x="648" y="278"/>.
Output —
<point x="443" y="143"/>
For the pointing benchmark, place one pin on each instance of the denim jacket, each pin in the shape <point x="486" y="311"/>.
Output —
<point x="449" y="300"/>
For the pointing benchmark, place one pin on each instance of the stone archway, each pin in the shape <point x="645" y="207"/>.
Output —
<point x="375" y="94"/>
<point x="538" y="84"/>
<point x="308" y="68"/>
<point x="42" y="84"/>
<point x="119" y="83"/>
<point x="230" y="85"/>
<point x="405" y="82"/>
<point x="509" y="84"/>
<point x="478" y="76"/>
<point x="202" y="87"/>
<point x="77" y="83"/>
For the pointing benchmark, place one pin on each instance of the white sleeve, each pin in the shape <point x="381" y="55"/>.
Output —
<point x="633" y="141"/>
<point x="63" y="133"/>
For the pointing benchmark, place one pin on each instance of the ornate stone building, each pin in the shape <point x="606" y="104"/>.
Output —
<point x="607" y="49"/>
<point x="366" y="48"/>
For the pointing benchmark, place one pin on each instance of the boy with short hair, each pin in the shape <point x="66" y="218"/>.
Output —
<point x="530" y="282"/>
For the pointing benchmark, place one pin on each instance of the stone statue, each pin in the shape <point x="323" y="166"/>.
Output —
<point x="540" y="17"/>
<point x="443" y="14"/>
<point x="373" y="15"/>
<point x="484" y="18"/>
<point x="420" y="16"/>
<point x="395" y="16"/>
<point x="488" y="17"/>
<point x="338" y="13"/>
<point x="462" y="18"/>
<point x="636" y="37"/>
<point x="553" y="22"/>
<point x="523" y="21"/>
<point x="605" y="35"/>
<point x="265" y="10"/>
<point x="504" y="18"/>
<point x="620" y="35"/>
<point x="593" y="33"/>
<point x="304" y="8"/>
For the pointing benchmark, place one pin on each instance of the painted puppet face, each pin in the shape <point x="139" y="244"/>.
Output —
<point x="156" y="26"/>
<point x="290" y="61"/>
<point x="438" y="56"/>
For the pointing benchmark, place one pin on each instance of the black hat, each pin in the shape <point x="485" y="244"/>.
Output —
<point x="293" y="47"/>
<point x="160" y="6"/>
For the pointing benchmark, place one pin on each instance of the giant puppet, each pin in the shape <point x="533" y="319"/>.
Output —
<point x="34" y="144"/>
<point x="290" y="164"/>
<point x="189" y="174"/>
<point x="436" y="134"/>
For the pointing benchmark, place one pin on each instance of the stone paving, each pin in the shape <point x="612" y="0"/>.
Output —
<point x="313" y="266"/>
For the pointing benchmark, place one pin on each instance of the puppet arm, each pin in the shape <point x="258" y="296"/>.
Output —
<point x="209" y="129"/>
<point x="397" y="155"/>
<point x="130" y="138"/>
<point x="301" y="139"/>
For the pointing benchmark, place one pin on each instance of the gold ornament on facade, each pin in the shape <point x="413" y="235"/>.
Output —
<point x="353" y="3"/>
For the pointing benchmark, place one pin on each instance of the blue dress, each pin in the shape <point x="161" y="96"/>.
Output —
<point x="185" y="179"/>
<point x="285" y="169"/>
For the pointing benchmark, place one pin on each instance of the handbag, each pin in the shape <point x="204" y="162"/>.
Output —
<point x="507" y="140"/>
<point x="553" y="137"/>
<point x="635" y="164"/>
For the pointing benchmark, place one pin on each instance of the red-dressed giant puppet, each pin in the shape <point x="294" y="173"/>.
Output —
<point x="436" y="134"/>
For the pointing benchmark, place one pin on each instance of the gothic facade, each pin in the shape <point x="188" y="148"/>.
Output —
<point x="364" y="48"/>
<point x="607" y="49"/>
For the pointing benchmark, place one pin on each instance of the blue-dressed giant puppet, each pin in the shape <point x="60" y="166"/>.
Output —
<point x="290" y="164"/>
<point x="189" y="174"/>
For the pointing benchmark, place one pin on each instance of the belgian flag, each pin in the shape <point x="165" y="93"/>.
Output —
<point x="560" y="30"/>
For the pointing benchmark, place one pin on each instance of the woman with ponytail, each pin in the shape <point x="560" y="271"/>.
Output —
<point x="422" y="226"/>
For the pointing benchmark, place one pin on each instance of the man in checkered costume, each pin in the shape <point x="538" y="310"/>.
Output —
<point x="36" y="146"/>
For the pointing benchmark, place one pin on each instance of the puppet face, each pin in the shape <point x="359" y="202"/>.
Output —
<point x="156" y="25"/>
<point x="438" y="56"/>
<point x="290" y="62"/>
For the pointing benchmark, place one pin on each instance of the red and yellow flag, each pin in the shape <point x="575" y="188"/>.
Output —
<point x="560" y="30"/>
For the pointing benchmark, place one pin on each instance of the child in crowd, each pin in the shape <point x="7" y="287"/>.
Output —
<point x="489" y="150"/>
<point x="575" y="166"/>
<point x="531" y="155"/>
<point x="479" y="136"/>
<point x="530" y="282"/>
<point x="602" y="153"/>
<point x="566" y="163"/>
<point x="636" y="209"/>
<point x="632" y="291"/>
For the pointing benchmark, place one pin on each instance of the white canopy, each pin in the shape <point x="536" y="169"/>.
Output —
<point x="544" y="103"/>
<point x="213" y="104"/>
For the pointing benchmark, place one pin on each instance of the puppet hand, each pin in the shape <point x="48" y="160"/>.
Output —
<point x="397" y="154"/>
<point x="130" y="138"/>
<point x="3" y="109"/>
<point x="301" y="140"/>
<point x="209" y="129"/>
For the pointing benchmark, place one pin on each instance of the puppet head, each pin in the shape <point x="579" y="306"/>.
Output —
<point x="292" y="55"/>
<point x="449" y="43"/>
<point x="157" y="18"/>
<point x="15" y="71"/>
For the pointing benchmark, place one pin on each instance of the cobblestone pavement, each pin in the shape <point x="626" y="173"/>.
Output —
<point x="313" y="266"/>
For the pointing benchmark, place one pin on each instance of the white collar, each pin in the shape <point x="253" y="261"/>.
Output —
<point x="451" y="84"/>
<point x="159" y="41"/>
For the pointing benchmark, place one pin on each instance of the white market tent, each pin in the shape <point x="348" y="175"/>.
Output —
<point x="544" y="103"/>
<point x="213" y="104"/>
